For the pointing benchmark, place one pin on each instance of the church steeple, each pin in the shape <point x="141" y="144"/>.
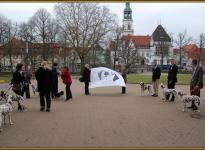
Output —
<point x="127" y="11"/>
<point x="127" y="20"/>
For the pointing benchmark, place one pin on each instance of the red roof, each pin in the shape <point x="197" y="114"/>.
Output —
<point x="18" y="45"/>
<point x="139" y="40"/>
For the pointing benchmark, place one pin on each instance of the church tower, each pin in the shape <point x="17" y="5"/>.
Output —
<point x="127" y="20"/>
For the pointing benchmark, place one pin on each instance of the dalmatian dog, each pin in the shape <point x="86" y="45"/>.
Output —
<point x="3" y="95"/>
<point x="169" y="92"/>
<point x="14" y="97"/>
<point x="20" y="100"/>
<point x="145" y="87"/>
<point x="6" y="110"/>
<point x="187" y="99"/>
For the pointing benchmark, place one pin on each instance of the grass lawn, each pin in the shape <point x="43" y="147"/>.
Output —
<point x="5" y="77"/>
<point x="183" y="79"/>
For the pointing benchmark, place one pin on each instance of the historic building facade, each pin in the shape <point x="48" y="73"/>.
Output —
<point x="156" y="47"/>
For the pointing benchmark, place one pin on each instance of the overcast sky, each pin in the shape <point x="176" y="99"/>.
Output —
<point x="174" y="17"/>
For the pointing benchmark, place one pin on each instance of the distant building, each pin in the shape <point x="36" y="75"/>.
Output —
<point x="155" y="48"/>
<point x="188" y="53"/>
<point x="30" y="54"/>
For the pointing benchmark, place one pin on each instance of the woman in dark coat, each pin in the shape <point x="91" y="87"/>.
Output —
<point x="18" y="82"/>
<point x="44" y="81"/>
<point x="86" y="78"/>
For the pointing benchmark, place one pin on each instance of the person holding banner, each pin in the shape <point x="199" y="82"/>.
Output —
<point x="123" y="71"/>
<point x="86" y="78"/>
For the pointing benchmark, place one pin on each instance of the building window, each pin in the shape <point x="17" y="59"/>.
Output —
<point x="162" y="50"/>
<point x="129" y="27"/>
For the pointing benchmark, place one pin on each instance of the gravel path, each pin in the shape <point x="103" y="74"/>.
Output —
<point x="106" y="118"/>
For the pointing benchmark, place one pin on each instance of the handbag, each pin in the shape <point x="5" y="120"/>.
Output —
<point x="17" y="87"/>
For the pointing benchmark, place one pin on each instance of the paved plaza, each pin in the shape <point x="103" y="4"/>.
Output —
<point x="106" y="118"/>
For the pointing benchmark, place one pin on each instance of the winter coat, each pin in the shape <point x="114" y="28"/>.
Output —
<point x="18" y="78"/>
<point x="66" y="77"/>
<point x="197" y="77"/>
<point x="172" y="73"/>
<point x="156" y="73"/>
<point x="86" y="75"/>
<point x="44" y="80"/>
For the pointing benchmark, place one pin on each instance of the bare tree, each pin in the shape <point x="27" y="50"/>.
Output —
<point x="53" y="29"/>
<point x="85" y="23"/>
<point x="10" y="30"/>
<point x="181" y="40"/>
<point x="41" y="21"/>
<point x="201" y="57"/>
<point x="26" y="33"/>
<point x="3" y="27"/>
<point x="115" y="44"/>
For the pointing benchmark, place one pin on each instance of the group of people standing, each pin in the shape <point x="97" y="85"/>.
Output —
<point x="196" y="80"/>
<point x="171" y="79"/>
<point x="47" y="81"/>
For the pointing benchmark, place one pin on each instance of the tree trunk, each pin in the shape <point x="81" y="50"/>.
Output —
<point x="82" y="64"/>
<point x="11" y="62"/>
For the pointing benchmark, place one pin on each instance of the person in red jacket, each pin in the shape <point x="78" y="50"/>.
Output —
<point x="66" y="77"/>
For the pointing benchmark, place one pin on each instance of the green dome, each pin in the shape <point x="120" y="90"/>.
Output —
<point x="127" y="8"/>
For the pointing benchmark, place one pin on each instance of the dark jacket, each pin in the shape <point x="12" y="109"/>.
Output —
<point x="172" y="73"/>
<point x="156" y="73"/>
<point x="44" y="80"/>
<point x="27" y="77"/>
<point x="18" y="78"/>
<point x="54" y="80"/>
<point x="124" y="74"/>
<point x="197" y="79"/>
<point x="86" y="75"/>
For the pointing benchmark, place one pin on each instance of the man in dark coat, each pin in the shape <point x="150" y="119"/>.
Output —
<point x="44" y="80"/>
<point x="156" y="73"/>
<point x="55" y="80"/>
<point x="196" y="81"/>
<point x="86" y="78"/>
<point x="172" y="77"/>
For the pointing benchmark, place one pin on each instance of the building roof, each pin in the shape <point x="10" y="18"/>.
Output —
<point x="160" y="34"/>
<point x="192" y="50"/>
<point x="18" y="45"/>
<point x="127" y="7"/>
<point x="139" y="40"/>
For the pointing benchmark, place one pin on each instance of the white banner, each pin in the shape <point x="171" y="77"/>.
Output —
<point x="103" y="77"/>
